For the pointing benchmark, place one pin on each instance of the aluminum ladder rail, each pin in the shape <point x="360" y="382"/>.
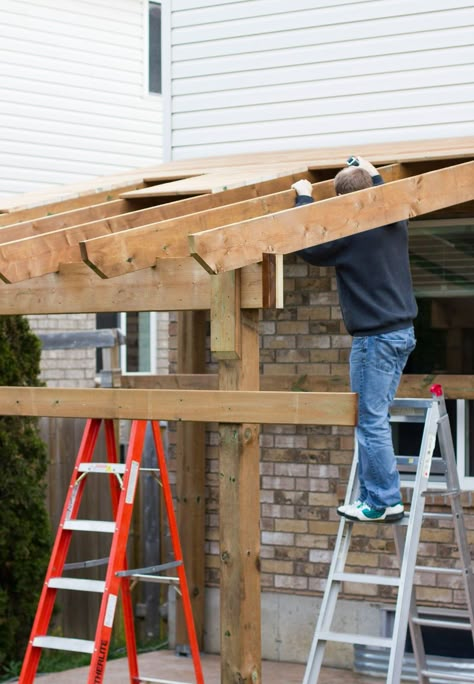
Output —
<point x="123" y="479"/>
<point x="407" y="535"/>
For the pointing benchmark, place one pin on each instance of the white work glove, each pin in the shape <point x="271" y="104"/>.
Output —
<point x="303" y="187"/>
<point x="364" y="164"/>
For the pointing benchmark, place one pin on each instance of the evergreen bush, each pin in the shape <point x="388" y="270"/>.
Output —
<point x="25" y="536"/>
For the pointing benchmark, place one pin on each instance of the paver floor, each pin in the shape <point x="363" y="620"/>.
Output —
<point x="166" y="665"/>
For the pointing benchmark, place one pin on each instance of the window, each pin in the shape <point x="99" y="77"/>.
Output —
<point x="138" y="354"/>
<point x="154" y="47"/>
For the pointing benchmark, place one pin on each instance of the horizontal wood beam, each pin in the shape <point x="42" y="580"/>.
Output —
<point x="240" y="406"/>
<point x="415" y="386"/>
<point x="240" y="244"/>
<point x="179" y="285"/>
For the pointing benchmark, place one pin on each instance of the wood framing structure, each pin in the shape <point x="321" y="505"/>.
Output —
<point x="209" y="235"/>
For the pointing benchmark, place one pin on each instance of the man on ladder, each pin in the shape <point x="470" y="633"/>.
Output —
<point x="378" y="308"/>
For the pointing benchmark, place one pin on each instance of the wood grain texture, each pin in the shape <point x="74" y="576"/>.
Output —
<point x="240" y="244"/>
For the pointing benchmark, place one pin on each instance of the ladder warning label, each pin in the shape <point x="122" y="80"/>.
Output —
<point x="132" y="482"/>
<point x="429" y="453"/>
<point x="110" y="612"/>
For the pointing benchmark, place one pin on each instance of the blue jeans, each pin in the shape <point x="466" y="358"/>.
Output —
<point x="376" y="365"/>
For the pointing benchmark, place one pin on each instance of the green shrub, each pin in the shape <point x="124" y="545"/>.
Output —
<point x="25" y="536"/>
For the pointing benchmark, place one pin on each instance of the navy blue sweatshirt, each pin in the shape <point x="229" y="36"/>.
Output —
<point x="373" y="276"/>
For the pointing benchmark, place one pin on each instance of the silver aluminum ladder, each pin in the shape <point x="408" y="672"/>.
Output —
<point x="431" y="476"/>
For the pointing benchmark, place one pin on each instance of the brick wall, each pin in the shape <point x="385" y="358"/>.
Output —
<point x="68" y="367"/>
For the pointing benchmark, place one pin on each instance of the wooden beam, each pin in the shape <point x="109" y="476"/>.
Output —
<point x="66" y="219"/>
<point x="239" y="520"/>
<point x="225" y="178"/>
<point x="139" y="248"/>
<point x="191" y="477"/>
<point x="240" y="244"/>
<point x="226" y="342"/>
<point x="41" y="204"/>
<point x="417" y="386"/>
<point x="179" y="285"/>
<point x="272" y="281"/>
<point x="295" y="408"/>
<point x="119" y="253"/>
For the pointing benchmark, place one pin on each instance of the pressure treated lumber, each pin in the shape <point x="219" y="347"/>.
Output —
<point x="62" y="199"/>
<point x="179" y="285"/>
<point x="239" y="518"/>
<point x="416" y="386"/>
<point x="225" y="178"/>
<point x="139" y="248"/>
<point x="240" y="244"/>
<point x="295" y="408"/>
<point x="123" y="252"/>
<point x="191" y="478"/>
<point x="226" y="342"/>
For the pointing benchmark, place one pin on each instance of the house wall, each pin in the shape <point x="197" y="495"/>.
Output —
<point x="265" y="75"/>
<point x="74" y="99"/>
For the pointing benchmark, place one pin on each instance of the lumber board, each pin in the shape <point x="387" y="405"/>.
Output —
<point x="240" y="244"/>
<point x="179" y="285"/>
<point x="225" y="316"/>
<point x="66" y="219"/>
<point x="139" y="248"/>
<point x="191" y="478"/>
<point x="65" y="198"/>
<point x="219" y="180"/>
<point x="22" y="260"/>
<point x="272" y="281"/>
<point x="411" y="386"/>
<point x="239" y="518"/>
<point x="239" y="406"/>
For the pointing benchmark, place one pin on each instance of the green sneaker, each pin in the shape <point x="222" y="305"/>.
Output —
<point x="365" y="513"/>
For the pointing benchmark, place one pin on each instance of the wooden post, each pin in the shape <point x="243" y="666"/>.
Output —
<point x="190" y="478"/>
<point x="239" y="506"/>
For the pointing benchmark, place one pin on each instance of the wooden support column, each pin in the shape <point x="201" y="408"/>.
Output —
<point x="239" y="507"/>
<point x="190" y="478"/>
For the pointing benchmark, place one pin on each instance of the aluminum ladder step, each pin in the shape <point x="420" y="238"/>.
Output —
<point x="75" y="584"/>
<point x="366" y="579"/>
<point x="450" y="676"/>
<point x="364" y="639"/>
<point x="90" y="526"/>
<point x="64" y="644"/>
<point x="445" y="624"/>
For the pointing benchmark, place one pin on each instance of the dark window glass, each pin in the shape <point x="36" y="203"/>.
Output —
<point x="154" y="47"/>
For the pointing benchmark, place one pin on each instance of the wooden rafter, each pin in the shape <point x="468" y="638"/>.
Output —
<point x="132" y="250"/>
<point x="55" y="240"/>
<point x="118" y="243"/>
<point x="240" y="244"/>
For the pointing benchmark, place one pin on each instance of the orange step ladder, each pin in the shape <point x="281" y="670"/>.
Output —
<point x="123" y="479"/>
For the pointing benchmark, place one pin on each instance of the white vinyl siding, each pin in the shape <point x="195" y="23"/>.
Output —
<point x="261" y="75"/>
<point x="74" y="92"/>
